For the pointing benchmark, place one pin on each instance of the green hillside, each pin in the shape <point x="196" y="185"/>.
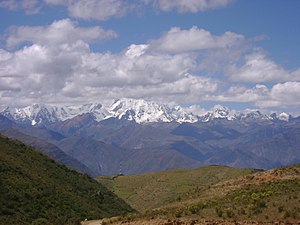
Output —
<point x="215" y="193"/>
<point x="152" y="190"/>
<point x="34" y="189"/>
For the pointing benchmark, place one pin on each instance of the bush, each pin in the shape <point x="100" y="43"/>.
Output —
<point x="219" y="212"/>
<point x="286" y="215"/>
<point x="178" y="213"/>
<point x="242" y="211"/>
<point x="229" y="213"/>
<point x="280" y="208"/>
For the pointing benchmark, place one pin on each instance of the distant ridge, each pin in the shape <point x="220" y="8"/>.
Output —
<point x="137" y="110"/>
<point x="147" y="136"/>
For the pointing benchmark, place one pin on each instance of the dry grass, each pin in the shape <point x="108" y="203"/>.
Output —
<point x="240" y="195"/>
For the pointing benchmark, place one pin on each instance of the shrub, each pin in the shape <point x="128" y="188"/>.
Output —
<point x="286" y="215"/>
<point x="242" y="211"/>
<point x="178" y="213"/>
<point x="219" y="212"/>
<point x="229" y="213"/>
<point x="280" y="208"/>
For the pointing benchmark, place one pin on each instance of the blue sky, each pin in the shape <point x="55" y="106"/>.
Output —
<point x="237" y="53"/>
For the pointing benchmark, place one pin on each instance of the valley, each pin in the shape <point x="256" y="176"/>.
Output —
<point x="32" y="182"/>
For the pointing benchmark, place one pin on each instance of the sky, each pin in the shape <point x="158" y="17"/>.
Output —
<point x="237" y="53"/>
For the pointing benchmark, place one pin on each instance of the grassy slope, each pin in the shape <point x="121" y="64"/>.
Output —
<point x="265" y="196"/>
<point x="152" y="190"/>
<point x="214" y="192"/>
<point x="35" y="189"/>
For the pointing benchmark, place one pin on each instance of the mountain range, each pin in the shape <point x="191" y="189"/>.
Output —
<point x="140" y="111"/>
<point x="137" y="136"/>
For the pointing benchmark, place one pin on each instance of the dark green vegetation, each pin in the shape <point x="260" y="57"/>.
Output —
<point x="213" y="192"/>
<point x="34" y="189"/>
<point x="49" y="149"/>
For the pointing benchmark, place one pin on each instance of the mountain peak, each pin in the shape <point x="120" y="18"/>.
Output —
<point x="138" y="110"/>
<point x="220" y="111"/>
<point x="146" y="111"/>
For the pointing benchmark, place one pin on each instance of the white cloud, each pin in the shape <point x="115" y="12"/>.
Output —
<point x="9" y="4"/>
<point x="242" y="94"/>
<point x="196" y="110"/>
<point x="280" y="95"/>
<point x="29" y="6"/>
<point x="215" y="53"/>
<point x="124" y="69"/>
<point x="188" y="88"/>
<point x="257" y="93"/>
<point x="177" y="40"/>
<point x="59" y="32"/>
<point x="57" y="2"/>
<point x="94" y="9"/>
<point x="65" y="70"/>
<point x="40" y="70"/>
<point x="106" y="9"/>
<point x="184" y="6"/>
<point x="287" y="93"/>
<point x="59" y="67"/>
<point x="258" y="68"/>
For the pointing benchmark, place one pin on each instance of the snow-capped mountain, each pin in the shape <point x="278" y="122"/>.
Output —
<point x="146" y="112"/>
<point x="140" y="111"/>
<point x="99" y="135"/>
<point x="41" y="113"/>
<point x="217" y="112"/>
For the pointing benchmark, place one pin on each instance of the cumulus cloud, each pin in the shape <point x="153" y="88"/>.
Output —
<point x="287" y="93"/>
<point x="123" y="69"/>
<point x="94" y="9"/>
<point x="57" y="65"/>
<point x="242" y="94"/>
<point x="184" y="6"/>
<point x="215" y="53"/>
<point x="39" y="70"/>
<point x="258" y="68"/>
<point x="184" y="89"/>
<point x="60" y="67"/>
<point x="59" y="32"/>
<point x="280" y="95"/>
<point x="178" y="40"/>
